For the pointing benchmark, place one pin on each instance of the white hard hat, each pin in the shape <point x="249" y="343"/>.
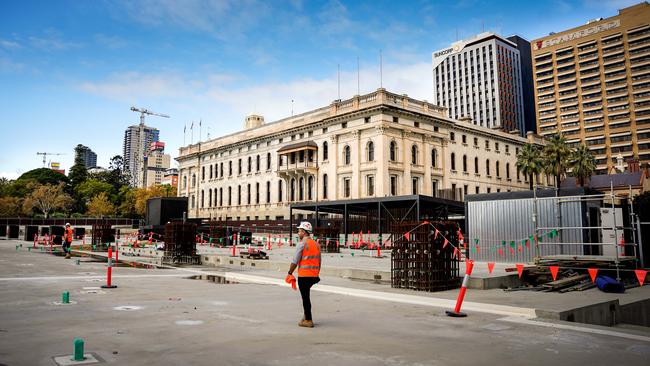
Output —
<point x="305" y="225"/>
<point x="67" y="224"/>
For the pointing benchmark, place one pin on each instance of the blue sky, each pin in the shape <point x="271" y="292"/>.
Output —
<point x="70" y="70"/>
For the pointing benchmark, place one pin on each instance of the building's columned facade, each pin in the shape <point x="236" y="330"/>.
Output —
<point x="374" y="145"/>
<point x="592" y="85"/>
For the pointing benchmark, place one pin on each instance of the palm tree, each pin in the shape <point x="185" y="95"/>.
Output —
<point x="556" y="157"/>
<point x="529" y="162"/>
<point x="582" y="164"/>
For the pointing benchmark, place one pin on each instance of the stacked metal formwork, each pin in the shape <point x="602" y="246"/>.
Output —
<point x="102" y="235"/>
<point x="420" y="262"/>
<point x="180" y="244"/>
<point x="328" y="239"/>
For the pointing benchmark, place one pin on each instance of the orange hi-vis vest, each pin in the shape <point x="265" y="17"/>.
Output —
<point x="68" y="234"/>
<point x="309" y="265"/>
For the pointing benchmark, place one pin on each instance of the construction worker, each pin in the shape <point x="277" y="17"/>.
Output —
<point x="307" y="259"/>
<point x="67" y="240"/>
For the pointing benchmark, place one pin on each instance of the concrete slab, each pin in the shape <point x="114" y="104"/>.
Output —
<point x="199" y="322"/>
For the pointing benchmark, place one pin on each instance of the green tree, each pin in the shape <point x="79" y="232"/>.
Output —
<point x="582" y="164"/>
<point x="556" y="155"/>
<point x="46" y="198"/>
<point x="78" y="174"/>
<point x="44" y="176"/>
<point x="127" y="202"/>
<point x="91" y="188"/>
<point x="100" y="206"/>
<point x="10" y="206"/>
<point x="529" y="162"/>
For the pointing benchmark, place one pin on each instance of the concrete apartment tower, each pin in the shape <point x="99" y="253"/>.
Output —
<point x="87" y="155"/>
<point x="137" y="142"/>
<point x="157" y="163"/>
<point x="592" y="85"/>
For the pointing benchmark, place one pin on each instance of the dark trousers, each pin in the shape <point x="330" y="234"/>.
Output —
<point x="305" y="284"/>
<point x="66" y="246"/>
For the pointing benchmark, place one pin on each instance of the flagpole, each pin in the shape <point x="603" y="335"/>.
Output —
<point x="200" y="122"/>
<point x="381" y="69"/>
<point x="184" y="133"/>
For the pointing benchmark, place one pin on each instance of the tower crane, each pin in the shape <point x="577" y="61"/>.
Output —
<point x="45" y="154"/>
<point x="144" y="111"/>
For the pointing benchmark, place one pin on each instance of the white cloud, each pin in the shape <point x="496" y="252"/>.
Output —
<point x="7" y="65"/>
<point x="52" y="40"/>
<point x="224" y="19"/>
<point x="112" y="42"/>
<point x="10" y="175"/>
<point x="9" y="45"/>
<point x="222" y="101"/>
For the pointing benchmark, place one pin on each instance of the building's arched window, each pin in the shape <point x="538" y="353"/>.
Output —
<point x="280" y="198"/>
<point x="487" y="167"/>
<point x="250" y="164"/>
<point x="346" y="155"/>
<point x="229" y="196"/>
<point x="202" y="173"/>
<point x="465" y="163"/>
<point x="325" y="152"/>
<point x="220" y="197"/>
<point x="393" y="151"/>
<point x="324" y="185"/>
<point x="268" y="192"/>
<point x="193" y="201"/>
<point x="518" y="176"/>
<point x="498" y="169"/>
<point x="221" y="169"/>
<point x="507" y="170"/>
<point x="209" y="197"/>
<point x="210" y="171"/>
<point x="193" y="179"/>
<point x="293" y="190"/>
<point x="310" y="187"/>
<point x="239" y="167"/>
<point x="453" y="161"/>
<point x="371" y="151"/>
<point x="239" y="195"/>
<point x="248" y="194"/>
<point x="230" y="168"/>
<point x="301" y="189"/>
<point x="202" y="198"/>
<point x="476" y="165"/>
<point x="268" y="161"/>
<point x="434" y="158"/>
<point x="185" y="181"/>
<point x="257" y="193"/>
<point x="257" y="164"/>
<point x="414" y="154"/>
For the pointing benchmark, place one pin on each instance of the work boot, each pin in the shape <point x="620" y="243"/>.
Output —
<point x="67" y="256"/>
<point x="306" y="323"/>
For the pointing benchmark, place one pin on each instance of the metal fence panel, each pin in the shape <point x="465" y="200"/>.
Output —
<point x="492" y="222"/>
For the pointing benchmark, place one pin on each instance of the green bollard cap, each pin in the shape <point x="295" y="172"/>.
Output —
<point x="78" y="350"/>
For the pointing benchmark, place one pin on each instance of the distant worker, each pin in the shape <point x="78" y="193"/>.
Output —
<point x="308" y="260"/>
<point x="67" y="240"/>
